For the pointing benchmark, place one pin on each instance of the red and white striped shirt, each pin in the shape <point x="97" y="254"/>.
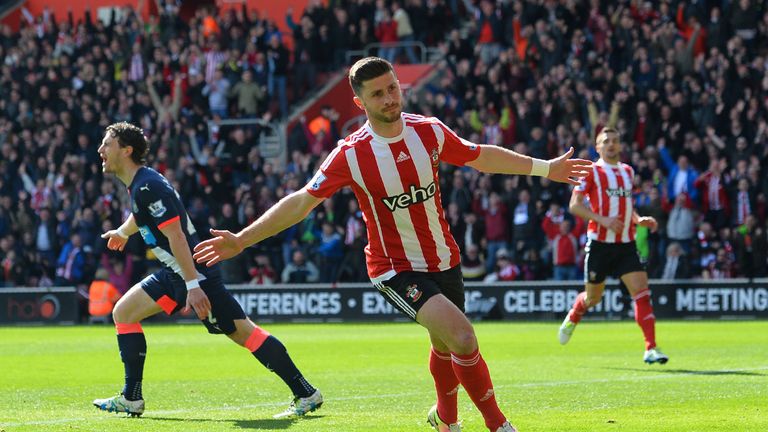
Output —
<point x="609" y="189"/>
<point x="396" y="183"/>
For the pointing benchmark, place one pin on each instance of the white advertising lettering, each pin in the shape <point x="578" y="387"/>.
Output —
<point x="721" y="299"/>
<point x="375" y="304"/>
<point x="557" y="300"/>
<point x="290" y="303"/>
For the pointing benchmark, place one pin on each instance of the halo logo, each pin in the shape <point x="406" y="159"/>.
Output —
<point x="46" y="307"/>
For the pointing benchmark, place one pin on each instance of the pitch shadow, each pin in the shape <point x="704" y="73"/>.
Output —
<point x="256" y="424"/>
<point x="662" y="369"/>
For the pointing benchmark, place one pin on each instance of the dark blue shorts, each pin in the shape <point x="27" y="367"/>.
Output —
<point x="169" y="291"/>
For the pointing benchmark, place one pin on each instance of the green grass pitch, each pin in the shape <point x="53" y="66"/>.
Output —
<point x="375" y="377"/>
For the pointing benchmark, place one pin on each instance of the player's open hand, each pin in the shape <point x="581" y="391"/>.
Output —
<point x="563" y="169"/>
<point x="648" y="222"/>
<point x="115" y="241"/>
<point x="612" y="223"/>
<point x="223" y="245"/>
<point x="197" y="300"/>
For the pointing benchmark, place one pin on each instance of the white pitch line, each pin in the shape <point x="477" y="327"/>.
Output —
<point x="155" y="413"/>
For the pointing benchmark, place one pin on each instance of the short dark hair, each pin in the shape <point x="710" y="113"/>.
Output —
<point x="606" y="130"/>
<point x="129" y="135"/>
<point x="366" y="69"/>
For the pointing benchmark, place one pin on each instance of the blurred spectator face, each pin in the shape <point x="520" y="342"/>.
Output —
<point x="642" y="109"/>
<point x="722" y="256"/>
<point x="680" y="200"/>
<point x="274" y="41"/>
<point x="238" y="136"/>
<point x="327" y="228"/>
<point x="666" y="112"/>
<point x="262" y="260"/>
<point x="353" y="207"/>
<point x="298" y="257"/>
<point x="741" y="143"/>
<point x="227" y="210"/>
<point x="458" y="179"/>
<point x="494" y="199"/>
<point x="453" y="209"/>
<point x="565" y="227"/>
<point x="743" y="185"/>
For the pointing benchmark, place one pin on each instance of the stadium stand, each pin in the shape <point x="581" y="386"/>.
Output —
<point x="685" y="84"/>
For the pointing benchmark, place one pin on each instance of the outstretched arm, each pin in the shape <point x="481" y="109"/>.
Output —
<point x="646" y="221"/>
<point x="196" y="297"/>
<point x="287" y="212"/>
<point x="117" y="238"/>
<point x="498" y="160"/>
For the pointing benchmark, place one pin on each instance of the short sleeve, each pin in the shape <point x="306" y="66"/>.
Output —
<point x="453" y="149"/>
<point x="159" y="203"/>
<point x="333" y="174"/>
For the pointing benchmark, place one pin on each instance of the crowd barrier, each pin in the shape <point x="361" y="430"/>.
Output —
<point x="528" y="301"/>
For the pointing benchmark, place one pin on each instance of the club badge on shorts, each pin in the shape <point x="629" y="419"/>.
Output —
<point x="413" y="293"/>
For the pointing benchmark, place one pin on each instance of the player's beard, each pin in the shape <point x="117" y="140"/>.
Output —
<point x="612" y="155"/>
<point x="390" y="116"/>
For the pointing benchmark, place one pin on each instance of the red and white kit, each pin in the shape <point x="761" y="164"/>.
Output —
<point x="396" y="183"/>
<point x="609" y="189"/>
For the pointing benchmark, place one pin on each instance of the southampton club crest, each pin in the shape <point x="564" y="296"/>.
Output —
<point x="413" y="293"/>
<point x="435" y="158"/>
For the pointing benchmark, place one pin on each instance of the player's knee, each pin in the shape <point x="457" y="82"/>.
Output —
<point x="119" y="314"/>
<point x="592" y="301"/>
<point x="123" y="314"/>
<point x="464" y="342"/>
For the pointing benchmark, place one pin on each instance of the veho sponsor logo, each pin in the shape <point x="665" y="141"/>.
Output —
<point x="414" y="195"/>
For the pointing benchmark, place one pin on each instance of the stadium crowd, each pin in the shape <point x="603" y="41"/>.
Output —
<point x="685" y="83"/>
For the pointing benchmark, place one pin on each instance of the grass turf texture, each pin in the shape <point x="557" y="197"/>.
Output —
<point x="375" y="377"/>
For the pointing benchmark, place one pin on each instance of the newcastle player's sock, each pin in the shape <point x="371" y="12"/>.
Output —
<point x="579" y="308"/>
<point x="446" y="385"/>
<point x="273" y="355"/>
<point x="645" y="318"/>
<point x="133" y="351"/>
<point x="476" y="380"/>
